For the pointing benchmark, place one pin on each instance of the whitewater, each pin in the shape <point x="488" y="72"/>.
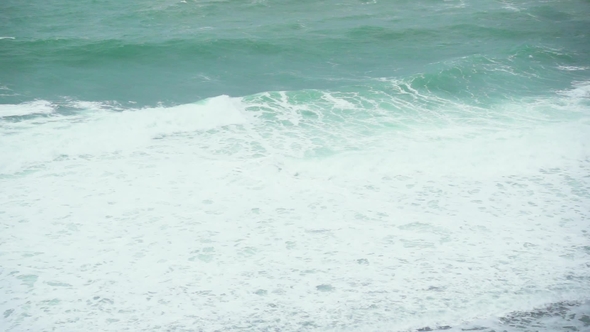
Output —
<point x="217" y="215"/>
<point x="350" y="166"/>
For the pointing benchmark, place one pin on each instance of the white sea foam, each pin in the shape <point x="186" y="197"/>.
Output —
<point x="324" y="211"/>
<point x="104" y="131"/>
<point x="510" y="6"/>
<point x="580" y="90"/>
<point x="35" y="107"/>
<point x="572" y="68"/>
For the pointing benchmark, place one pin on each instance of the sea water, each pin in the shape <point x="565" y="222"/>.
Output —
<point x="294" y="165"/>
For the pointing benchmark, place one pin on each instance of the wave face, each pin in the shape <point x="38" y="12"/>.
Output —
<point x="178" y="52"/>
<point x="265" y="165"/>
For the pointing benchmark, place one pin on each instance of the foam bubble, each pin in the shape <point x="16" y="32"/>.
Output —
<point x="580" y="90"/>
<point x="572" y="68"/>
<point x="295" y="210"/>
<point x="29" y="108"/>
<point x="103" y="130"/>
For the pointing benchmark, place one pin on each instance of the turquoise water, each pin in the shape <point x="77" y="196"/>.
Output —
<point x="283" y="165"/>
<point x="180" y="52"/>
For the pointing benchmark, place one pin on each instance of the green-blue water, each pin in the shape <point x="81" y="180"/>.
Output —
<point x="179" y="52"/>
<point x="281" y="165"/>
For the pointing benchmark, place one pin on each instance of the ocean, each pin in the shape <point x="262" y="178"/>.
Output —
<point x="280" y="165"/>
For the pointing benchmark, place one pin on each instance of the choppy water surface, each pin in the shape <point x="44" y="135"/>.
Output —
<point x="272" y="165"/>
